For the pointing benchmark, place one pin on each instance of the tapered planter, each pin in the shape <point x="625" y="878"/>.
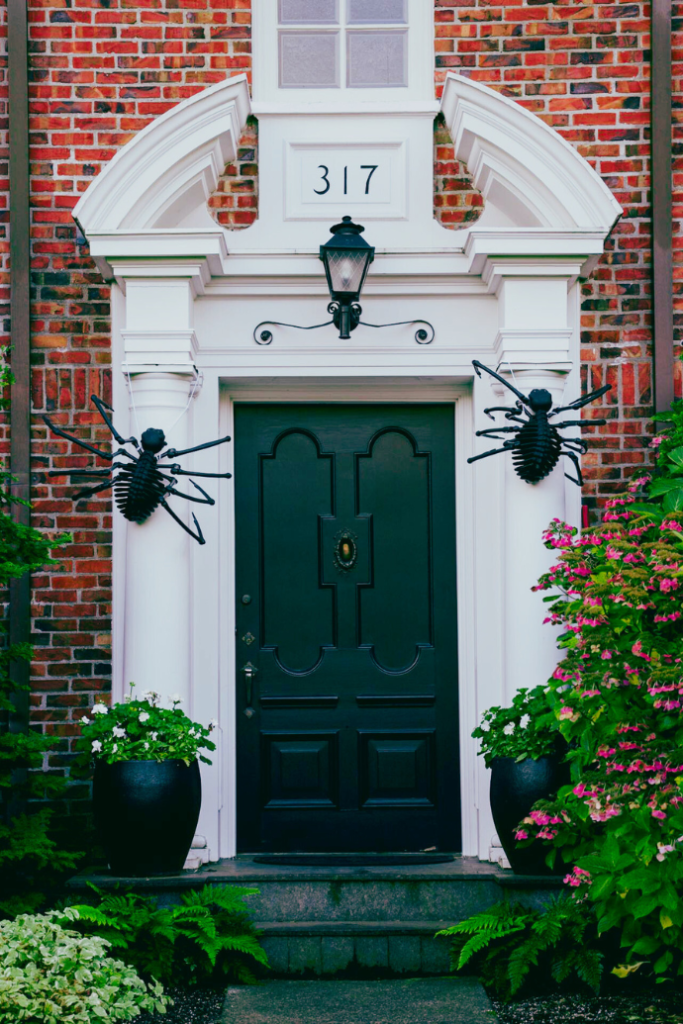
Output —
<point x="146" y="814"/>
<point x="515" y="788"/>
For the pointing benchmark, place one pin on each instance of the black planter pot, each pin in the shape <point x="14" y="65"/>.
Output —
<point x="146" y="814"/>
<point x="515" y="788"/>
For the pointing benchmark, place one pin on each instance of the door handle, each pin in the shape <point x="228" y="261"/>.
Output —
<point x="249" y="672"/>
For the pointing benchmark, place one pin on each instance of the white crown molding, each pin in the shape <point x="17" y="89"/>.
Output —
<point x="521" y="165"/>
<point x="170" y="168"/>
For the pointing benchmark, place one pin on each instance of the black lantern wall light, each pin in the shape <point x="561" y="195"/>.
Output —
<point x="346" y="258"/>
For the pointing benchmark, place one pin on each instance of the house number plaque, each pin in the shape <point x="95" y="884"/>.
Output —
<point x="324" y="179"/>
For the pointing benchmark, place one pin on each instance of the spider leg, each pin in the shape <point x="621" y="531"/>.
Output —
<point x="511" y="412"/>
<point x="493" y="431"/>
<point x="84" y="444"/>
<point x="171" y="453"/>
<point x="176" y="470"/>
<point x="576" y="443"/>
<point x="206" y="500"/>
<point x="198" y="536"/>
<point x="580" y="402"/>
<point x="580" y="423"/>
<point x="79" y="472"/>
<point x="89" y="491"/>
<point x="101" y="409"/>
<point x="480" y="366"/>
<point x="579" y="476"/>
<point x="508" y="446"/>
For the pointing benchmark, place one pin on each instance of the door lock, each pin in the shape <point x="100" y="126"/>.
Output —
<point x="249" y="671"/>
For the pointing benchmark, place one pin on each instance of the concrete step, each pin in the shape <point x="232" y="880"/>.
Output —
<point x="321" y="921"/>
<point x="355" y="948"/>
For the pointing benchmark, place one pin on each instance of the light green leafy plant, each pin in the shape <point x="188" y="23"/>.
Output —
<point x="206" y="938"/>
<point x="142" y="730"/>
<point x="507" y="941"/>
<point x="50" y="974"/>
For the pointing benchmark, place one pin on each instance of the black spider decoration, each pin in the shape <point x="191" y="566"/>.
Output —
<point x="141" y="487"/>
<point x="538" y="443"/>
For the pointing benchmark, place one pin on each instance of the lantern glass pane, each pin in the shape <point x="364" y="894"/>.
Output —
<point x="376" y="59"/>
<point x="346" y="270"/>
<point x="309" y="12"/>
<point x="309" y="60"/>
<point x="377" y="12"/>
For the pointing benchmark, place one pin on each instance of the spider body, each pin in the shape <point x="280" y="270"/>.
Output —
<point x="537" y="445"/>
<point x="139" y="485"/>
<point x="538" y="442"/>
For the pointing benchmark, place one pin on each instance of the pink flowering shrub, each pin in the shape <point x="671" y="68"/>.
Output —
<point x="617" y="696"/>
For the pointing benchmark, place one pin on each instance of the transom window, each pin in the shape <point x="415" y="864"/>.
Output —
<point x="337" y="44"/>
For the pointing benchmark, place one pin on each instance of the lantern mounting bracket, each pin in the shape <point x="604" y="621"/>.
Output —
<point x="423" y="336"/>
<point x="346" y="258"/>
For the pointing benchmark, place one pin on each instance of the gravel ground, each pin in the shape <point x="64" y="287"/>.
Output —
<point x="643" y="1008"/>
<point x="190" y="1006"/>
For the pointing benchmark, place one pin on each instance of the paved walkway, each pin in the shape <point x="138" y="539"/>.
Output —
<point x="419" y="1001"/>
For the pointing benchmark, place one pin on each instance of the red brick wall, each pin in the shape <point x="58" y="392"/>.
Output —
<point x="102" y="69"/>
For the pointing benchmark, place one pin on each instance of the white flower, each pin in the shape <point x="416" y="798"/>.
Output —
<point x="85" y="720"/>
<point x="175" y="699"/>
<point x="118" y="732"/>
<point x="485" y="726"/>
<point x="509" y="728"/>
<point x="524" y="721"/>
<point x="127" y="698"/>
<point x="213" y="724"/>
<point x="96" y="746"/>
<point x="151" y="696"/>
<point x="143" y="716"/>
<point x="115" y="748"/>
<point x="146" y="746"/>
<point x="99" y="709"/>
<point x="154" y="736"/>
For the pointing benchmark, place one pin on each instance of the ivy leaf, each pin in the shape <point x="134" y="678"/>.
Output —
<point x="677" y="456"/>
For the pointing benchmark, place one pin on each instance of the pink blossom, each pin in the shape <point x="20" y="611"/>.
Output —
<point x="658" y="814"/>
<point x="655" y="442"/>
<point x="637" y="649"/>
<point x="671" y="524"/>
<point x="567" y="712"/>
<point x="668" y="584"/>
<point x="606" y="655"/>
<point x="521" y="834"/>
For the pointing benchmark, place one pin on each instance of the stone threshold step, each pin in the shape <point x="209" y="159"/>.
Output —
<point x="418" y="1001"/>
<point x="332" y="929"/>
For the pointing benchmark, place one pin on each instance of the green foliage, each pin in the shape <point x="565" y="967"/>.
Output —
<point x="50" y="974"/>
<point x="508" y="941"/>
<point x="207" y="938"/>
<point x="29" y="858"/>
<point x="142" y="730"/>
<point x="526" y="729"/>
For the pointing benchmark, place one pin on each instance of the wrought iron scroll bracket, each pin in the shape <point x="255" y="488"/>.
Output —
<point x="423" y="336"/>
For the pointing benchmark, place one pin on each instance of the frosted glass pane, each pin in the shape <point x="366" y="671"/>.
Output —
<point x="309" y="60"/>
<point x="376" y="59"/>
<point x="378" y="12"/>
<point x="308" y="12"/>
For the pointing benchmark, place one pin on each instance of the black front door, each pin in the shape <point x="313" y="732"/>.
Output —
<point x="347" y="686"/>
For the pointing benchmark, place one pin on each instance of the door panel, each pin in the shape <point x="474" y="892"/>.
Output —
<point x="345" y="574"/>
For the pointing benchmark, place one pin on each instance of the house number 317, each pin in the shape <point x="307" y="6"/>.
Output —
<point x="325" y="183"/>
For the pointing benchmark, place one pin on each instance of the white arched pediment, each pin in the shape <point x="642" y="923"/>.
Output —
<point x="164" y="176"/>
<point x="524" y="169"/>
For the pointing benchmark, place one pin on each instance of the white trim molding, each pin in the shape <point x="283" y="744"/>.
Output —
<point x="521" y="165"/>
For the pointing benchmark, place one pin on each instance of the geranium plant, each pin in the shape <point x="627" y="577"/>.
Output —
<point x="143" y="730"/>
<point x="525" y="729"/>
